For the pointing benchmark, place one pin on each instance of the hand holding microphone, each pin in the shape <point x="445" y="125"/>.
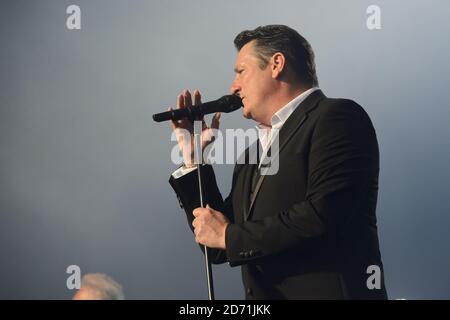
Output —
<point x="228" y="103"/>
<point x="182" y="120"/>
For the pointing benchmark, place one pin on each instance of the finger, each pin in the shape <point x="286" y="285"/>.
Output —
<point x="211" y="210"/>
<point x="197" y="97"/>
<point x="197" y="212"/>
<point x="215" y="122"/>
<point x="180" y="101"/>
<point x="173" y="122"/>
<point x="187" y="99"/>
<point x="198" y="101"/>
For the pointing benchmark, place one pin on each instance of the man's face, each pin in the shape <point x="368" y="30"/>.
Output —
<point x="253" y="84"/>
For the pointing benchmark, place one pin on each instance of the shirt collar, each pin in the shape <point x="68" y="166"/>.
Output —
<point x="280" y="117"/>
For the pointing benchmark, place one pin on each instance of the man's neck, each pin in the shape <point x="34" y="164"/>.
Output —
<point x="285" y="94"/>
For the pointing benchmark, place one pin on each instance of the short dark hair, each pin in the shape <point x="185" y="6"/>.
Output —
<point x="279" y="38"/>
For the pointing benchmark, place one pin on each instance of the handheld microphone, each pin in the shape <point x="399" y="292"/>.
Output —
<point x="228" y="103"/>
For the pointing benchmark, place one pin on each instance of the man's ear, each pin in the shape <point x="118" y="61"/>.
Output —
<point x="278" y="64"/>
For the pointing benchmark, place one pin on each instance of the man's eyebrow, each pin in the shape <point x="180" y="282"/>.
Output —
<point x="237" y="69"/>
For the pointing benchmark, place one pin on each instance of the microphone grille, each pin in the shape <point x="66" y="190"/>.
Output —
<point x="232" y="102"/>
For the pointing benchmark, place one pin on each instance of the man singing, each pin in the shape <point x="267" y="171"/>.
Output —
<point x="309" y="231"/>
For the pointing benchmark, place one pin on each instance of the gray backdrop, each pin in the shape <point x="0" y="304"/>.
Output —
<point x="84" y="169"/>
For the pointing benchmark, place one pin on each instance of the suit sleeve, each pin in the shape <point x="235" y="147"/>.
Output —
<point x="343" y="166"/>
<point x="187" y="190"/>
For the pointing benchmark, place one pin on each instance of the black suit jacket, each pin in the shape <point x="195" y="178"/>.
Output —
<point x="309" y="231"/>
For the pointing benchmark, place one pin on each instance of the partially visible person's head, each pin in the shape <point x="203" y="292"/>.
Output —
<point x="97" y="286"/>
<point x="281" y="55"/>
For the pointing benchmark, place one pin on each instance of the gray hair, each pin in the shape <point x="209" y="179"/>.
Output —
<point x="102" y="286"/>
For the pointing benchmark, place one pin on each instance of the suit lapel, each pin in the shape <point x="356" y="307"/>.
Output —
<point x="247" y="187"/>
<point x="244" y="172"/>
<point x="290" y="127"/>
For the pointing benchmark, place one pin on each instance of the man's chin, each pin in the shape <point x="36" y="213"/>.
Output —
<point x="246" y="114"/>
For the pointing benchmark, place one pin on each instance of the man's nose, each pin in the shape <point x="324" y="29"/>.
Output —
<point x="234" y="89"/>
